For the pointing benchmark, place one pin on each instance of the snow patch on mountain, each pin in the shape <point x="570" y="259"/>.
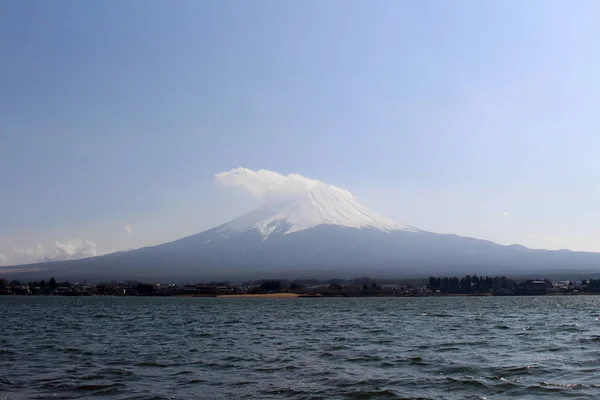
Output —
<point x="306" y="206"/>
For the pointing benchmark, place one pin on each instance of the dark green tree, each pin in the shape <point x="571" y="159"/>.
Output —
<point x="144" y="288"/>
<point x="52" y="283"/>
<point x="271" y="286"/>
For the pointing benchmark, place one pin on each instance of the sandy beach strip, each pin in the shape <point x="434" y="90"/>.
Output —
<point x="260" y="296"/>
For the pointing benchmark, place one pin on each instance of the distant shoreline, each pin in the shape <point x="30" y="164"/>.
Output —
<point x="467" y="286"/>
<point x="308" y="296"/>
<point x="261" y="296"/>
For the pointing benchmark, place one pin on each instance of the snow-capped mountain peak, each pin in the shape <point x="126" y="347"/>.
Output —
<point x="321" y="204"/>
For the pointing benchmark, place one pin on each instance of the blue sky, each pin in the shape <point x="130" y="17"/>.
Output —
<point x="470" y="117"/>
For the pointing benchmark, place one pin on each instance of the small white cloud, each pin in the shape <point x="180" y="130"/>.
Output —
<point x="23" y="255"/>
<point x="548" y="237"/>
<point x="70" y="250"/>
<point x="36" y="251"/>
<point x="505" y="214"/>
<point x="73" y="249"/>
<point x="129" y="229"/>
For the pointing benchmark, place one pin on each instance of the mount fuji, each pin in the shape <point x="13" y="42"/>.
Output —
<point x="312" y="229"/>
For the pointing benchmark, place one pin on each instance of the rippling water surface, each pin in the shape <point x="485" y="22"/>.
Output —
<point x="395" y="348"/>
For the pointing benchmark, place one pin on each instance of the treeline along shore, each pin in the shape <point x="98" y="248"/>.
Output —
<point x="469" y="285"/>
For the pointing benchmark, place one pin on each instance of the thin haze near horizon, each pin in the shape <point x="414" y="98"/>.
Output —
<point x="469" y="117"/>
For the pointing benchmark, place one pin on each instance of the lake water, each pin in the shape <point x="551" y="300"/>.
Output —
<point x="362" y="348"/>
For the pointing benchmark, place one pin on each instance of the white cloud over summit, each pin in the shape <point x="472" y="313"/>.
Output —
<point x="307" y="203"/>
<point x="69" y="250"/>
<point x="268" y="185"/>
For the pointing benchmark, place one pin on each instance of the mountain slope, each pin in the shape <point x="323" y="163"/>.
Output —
<point x="322" y="232"/>
<point x="322" y="205"/>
